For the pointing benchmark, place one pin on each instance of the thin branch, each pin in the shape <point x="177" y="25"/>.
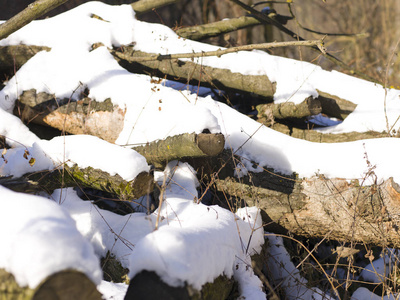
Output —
<point x="264" y="18"/>
<point x="312" y="43"/>
<point x="323" y="33"/>
<point x="32" y="12"/>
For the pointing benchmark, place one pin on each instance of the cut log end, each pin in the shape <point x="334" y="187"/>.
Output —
<point x="211" y="144"/>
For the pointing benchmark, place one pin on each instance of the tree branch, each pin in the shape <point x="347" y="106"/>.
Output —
<point x="144" y="6"/>
<point x="264" y="18"/>
<point x="219" y="52"/>
<point x="32" y="12"/>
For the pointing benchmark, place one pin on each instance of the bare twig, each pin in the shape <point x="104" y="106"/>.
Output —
<point x="311" y="43"/>
<point x="264" y="18"/>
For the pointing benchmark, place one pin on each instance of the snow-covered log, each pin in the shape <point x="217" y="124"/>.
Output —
<point x="62" y="285"/>
<point x="333" y="208"/>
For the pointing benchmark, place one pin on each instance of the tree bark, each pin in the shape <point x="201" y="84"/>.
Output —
<point x="181" y="146"/>
<point x="33" y="11"/>
<point x="148" y="285"/>
<point x="143" y="6"/>
<point x="308" y="107"/>
<point x="204" y="31"/>
<point x="179" y="70"/>
<point x="86" y="116"/>
<point x="320" y="207"/>
<point x="63" y="285"/>
<point x="81" y="177"/>
<point x="185" y="70"/>
<point x="320" y="137"/>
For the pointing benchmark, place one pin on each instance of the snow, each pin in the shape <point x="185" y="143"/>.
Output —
<point x="286" y="274"/>
<point x="194" y="243"/>
<point x="40" y="238"/>
<point x="380" y="268"/>
<point x="363" y="293"/>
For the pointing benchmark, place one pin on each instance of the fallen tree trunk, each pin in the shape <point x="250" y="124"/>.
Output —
<point x="311" y="207"/>
<point x="223" y="79"/>
<point x="63" y="285"/>
<point x="320" y="207"/>
<point x="81" y="177"/>
<point x="321" y="137"/>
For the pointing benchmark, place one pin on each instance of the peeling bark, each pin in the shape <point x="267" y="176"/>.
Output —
<point x="321" y="207"/>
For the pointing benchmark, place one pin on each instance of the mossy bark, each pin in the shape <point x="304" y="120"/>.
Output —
<point x="182" y="146"/>
<point x="64" y="285"/>
<point x="320" y="137"/>
<point x="148" y="285"/>
<point x="82" y="177"/>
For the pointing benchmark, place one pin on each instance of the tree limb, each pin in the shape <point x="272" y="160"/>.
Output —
<point x="55" y="286"/>
<point x="32" y="12"/>
<point x="182" y="146"/>
<point x="144" y="6"/>
<point x="219" y="52"/>
<point x="264" y="18"/>
<point x="309" y="107"/>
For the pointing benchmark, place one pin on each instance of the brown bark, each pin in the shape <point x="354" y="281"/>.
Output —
<point x="321" y="207"/>
<point x="182" y="146"/>
<point x="185" y="70"/>
<point x="308" y="107"/>
<point x="179" y="70"/>
<point x="33" y="11"/>
<point x="144" y="6"/>
<point x="63" y="285"/>
<point x="320" y="137"/>
<point x="87" y="116"/>
<point x="81" y="177"/>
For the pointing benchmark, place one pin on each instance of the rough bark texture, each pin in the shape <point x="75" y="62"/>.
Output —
<point x="320" y="207"/>
<point x="221" y="78"/>
<point x="82" y="177"/>
<point x="62" y="286"/>
<point x="87" y="116"/>
<point x="186" y="70"/>
<point x="182" y="146"/>
<point x="320" y="137"/>
<point x="308" y="107"/>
